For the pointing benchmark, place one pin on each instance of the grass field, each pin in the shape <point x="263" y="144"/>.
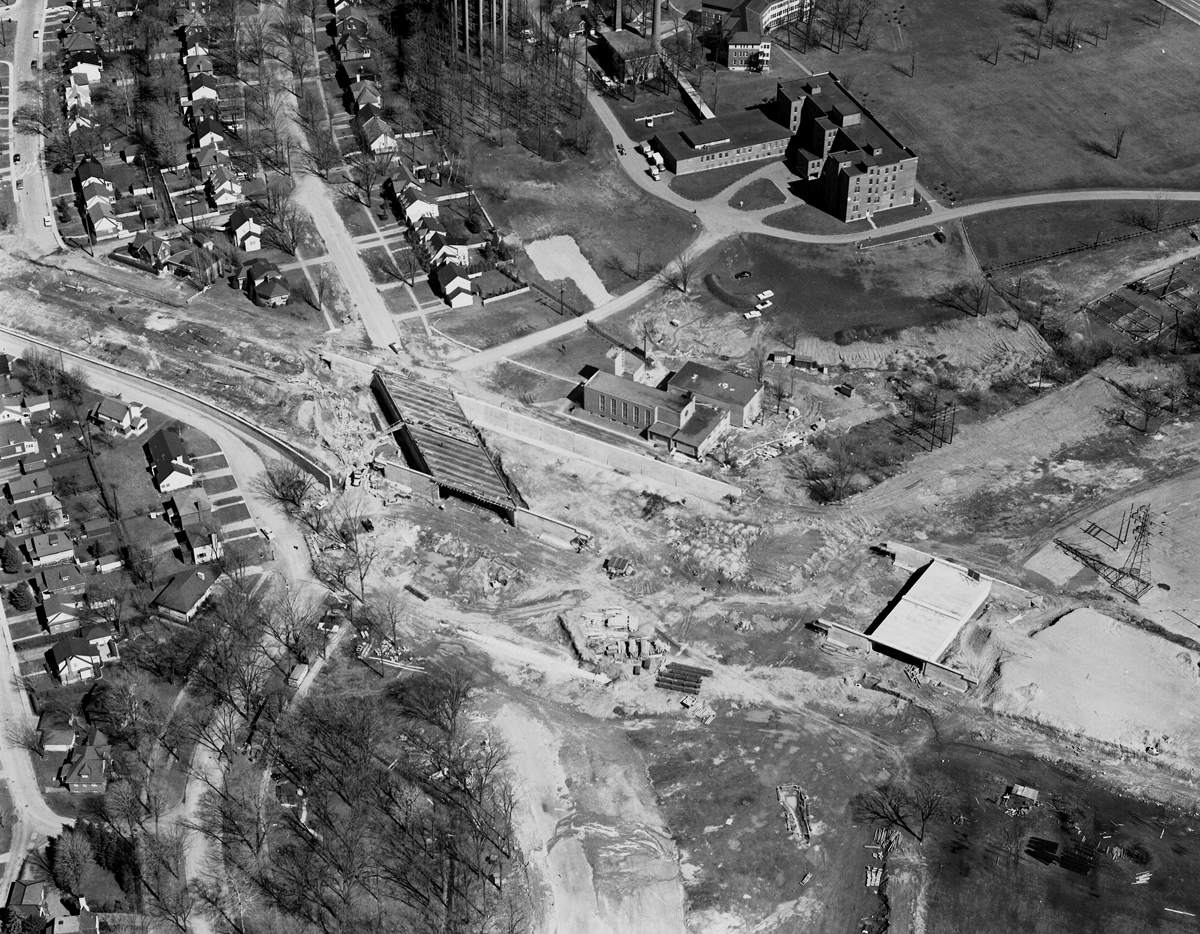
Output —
<point x="486" y="326"/>
<point x="759" y="194"/>
<point x="822" y="290"/>
<point x="589" y="199"/>
<point x="1025" y="233"/>
<point x="1031" y="125"/>
<point x="704" y="185"/>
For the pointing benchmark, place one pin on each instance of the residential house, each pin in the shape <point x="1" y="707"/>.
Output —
<point x="149" y="248"/>
<point x="444" y="248"/>
<point x="28" y="900"/>
<point x="192" y="507"/>
<point x="86" y="922"/>
<point x="199" y="64"/>
<point x="416" y="205"/>
<point x="351" y="47"/>
<point x="86" y="65"/>
<point x="245" y="230"/>
<point x="28" y="487"/>
<point x="78" y="120"/>
<point x="203" y="87"/>
<point x="94" y="528"/>
<point x="182" y="598"/>
<point x="376" y="135"/>
<point x="428" y="227"/>
<point x="12" y="410"/>
<point x="201" y="546"/>
<point x="208" y="158"/>
<point x="77" y="93"/>
<point x="351" y="23"/>
<point x="87" y="771"/>
<point x="222" y="188"/>
<point x="50" y="548"/>
<point x="365" y="93"/>
<point x="209" y="132"/>
<point x="74" y="660"/>
<point x="79" y="21"/>
<point x="169" y="461"/>
<point x="59" y="613"/>
<point x="273" y="293"/>
<point x="101" y="222"/>
<point x="95" y="192"/>
<point x="195" y="45"/>
<point x="89" y="170"/>
<point x="36" y="402"/>
<point x="113" y="415"/>
<point x="454" y="285"/>
<point x="78" y="42"/>
<point x="26" y="517"/>
<point x="191" y="260"/>
<point x="61" y="579"/>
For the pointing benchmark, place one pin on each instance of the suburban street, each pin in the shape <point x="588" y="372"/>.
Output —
<point x="33" y="201"/>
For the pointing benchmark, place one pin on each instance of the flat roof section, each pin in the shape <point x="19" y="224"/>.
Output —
<point x="931" y="613"/>
<point x="638" y="393"/>
<point x="717" y="384"/>
<point x="745" y="128"/>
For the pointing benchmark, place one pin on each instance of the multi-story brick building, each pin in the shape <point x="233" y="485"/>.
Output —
<point x="861" y="168"/>
<point x="747" y="51"/>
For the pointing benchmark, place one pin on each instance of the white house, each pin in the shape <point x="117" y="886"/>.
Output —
<point x="125" y="418"/>
<point x="415" y="204"/>
<point x="454" y="285"/>
<point x="245" y="230"/>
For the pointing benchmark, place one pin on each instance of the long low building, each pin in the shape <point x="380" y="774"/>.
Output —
<point x="748" y="136"/>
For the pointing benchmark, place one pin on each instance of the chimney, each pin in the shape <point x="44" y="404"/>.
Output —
<point x="617" y="16"/>
<point x="656" y="27"/>
<point x="200" y="575"/>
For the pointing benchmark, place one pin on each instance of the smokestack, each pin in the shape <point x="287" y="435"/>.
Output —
<point x="617" y="16"/>
<point x="656" y="28"/>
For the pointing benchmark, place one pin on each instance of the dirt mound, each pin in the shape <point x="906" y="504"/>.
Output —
<point x="1090" y="674"/>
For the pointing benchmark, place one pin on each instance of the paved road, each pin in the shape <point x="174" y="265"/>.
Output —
<point x="35" y="820"/>
<point x="315" y="197"/>
<point x="33" y="201"/>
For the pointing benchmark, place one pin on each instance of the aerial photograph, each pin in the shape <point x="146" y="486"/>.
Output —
<point x="600" y="466"/>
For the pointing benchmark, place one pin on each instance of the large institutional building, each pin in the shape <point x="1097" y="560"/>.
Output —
<point x="827" y="137"/>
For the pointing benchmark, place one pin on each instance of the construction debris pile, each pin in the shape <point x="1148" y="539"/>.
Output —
<point x="712" y="546"/>
<point x="608" y="639"/>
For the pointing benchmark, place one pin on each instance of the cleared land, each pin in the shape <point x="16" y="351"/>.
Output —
<point x="589" y="199"/>
<point x="759" y="194"/>
<point x="1027" y="124"/>
<point x="820" y="291"/>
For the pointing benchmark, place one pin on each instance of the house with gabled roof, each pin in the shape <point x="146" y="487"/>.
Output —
<point x="74" y="660"/>
<point x="203" y="87"/>
<point x="209" y="132"/>
<point x="101" y="221"/>
<point x="169" y="461"/>
<point x="28" y="900"/>
<point x="113" y="415"/>
<point x="184" y="595"/>
<point x="28" y="487"/>
<point x="50" y="548"/>
<point x="350" y="46"/>
<point x="364" y="93"/>
<point x="272" y="293"/>
<point x="87" y="771"/>
<point x="416" y="205"/>
<point x="78" y="42"/>
<point x="208" y="158"/>
<point x="59" y="613"/>
<point x="198" y="64"/>
<point x="222" y="187"/>
<point x="87" y="64"/>
<point x="245" y="230"/>
<point x="149" y="248"/>
<point x="446" y="248"/>
<point x="16" y="440"/>
<point x="454" y="285"/>
<point x="376" y="135"/>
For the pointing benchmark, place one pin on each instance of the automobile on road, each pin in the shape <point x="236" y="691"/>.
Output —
<point x="16" y="158"/>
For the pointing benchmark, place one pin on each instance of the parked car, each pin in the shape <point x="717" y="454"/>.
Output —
<point x="46" y="221"/>
<point x="16" y="158"/>
<point x="36" y="33"/>
<point x="268" y="534"/>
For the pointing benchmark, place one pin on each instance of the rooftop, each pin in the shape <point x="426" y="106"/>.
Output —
<point x="185" y="590"/>
<point x="930" y="614"/>
<point x="843" y="110"/>
<point x="626" y="43"/>
<point x="745" y="128"/>
<point x="638" y="393"/>
<point x="714" y="384"/>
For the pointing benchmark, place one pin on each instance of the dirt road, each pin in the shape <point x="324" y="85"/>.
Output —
<point x="600" y="859"/>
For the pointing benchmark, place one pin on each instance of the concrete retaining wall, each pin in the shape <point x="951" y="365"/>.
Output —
<point x="547" y="528"/>
<point x="422" y="485"/>
<point x="948" y="677"/>
<point x="572" y="444"/>
<point x="843" y="635"/>
<point x="276" y="444"/>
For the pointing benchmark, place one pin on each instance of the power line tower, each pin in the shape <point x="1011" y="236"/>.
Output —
<point x="1136" y="568"/>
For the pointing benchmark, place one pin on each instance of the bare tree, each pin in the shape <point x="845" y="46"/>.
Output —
<point x="908" y="808"/>
<point x="286" y="484"/>
<point x="26" y="736"/>
<point x="678" y="274"/>
<point x="1118" y="142"/>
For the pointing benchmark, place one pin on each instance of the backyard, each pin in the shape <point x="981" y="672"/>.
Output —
<point x="964" y="86"/>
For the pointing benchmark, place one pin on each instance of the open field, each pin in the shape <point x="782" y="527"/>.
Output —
<point x="1027" y="124"/>
<point x="1024" y="233"/>
<point x="820" y="291"/>
<point x="484" y="326"/>
<point x="591" y="200"/>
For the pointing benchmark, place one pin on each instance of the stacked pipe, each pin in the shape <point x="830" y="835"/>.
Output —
<point x="683" y="678"/>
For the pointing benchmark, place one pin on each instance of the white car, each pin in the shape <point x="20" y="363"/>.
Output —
<point x="46" y="221"/>
<point x="765" y="294"/>
<point x="764" y="305"/>
<point x="268" y="534"/>
<point x="321" y="504"/>
<point x="752" y="314"/>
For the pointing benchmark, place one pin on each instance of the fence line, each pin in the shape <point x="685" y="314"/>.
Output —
<point x="1090" y="246"/>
